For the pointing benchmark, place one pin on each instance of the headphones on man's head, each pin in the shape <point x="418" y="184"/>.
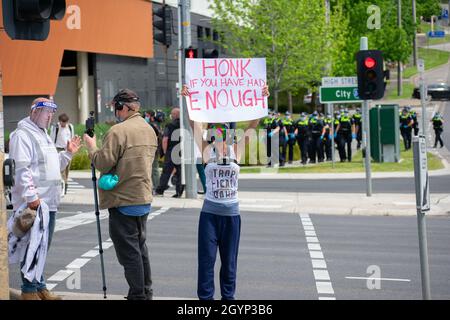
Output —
<point x="119" y="104"/>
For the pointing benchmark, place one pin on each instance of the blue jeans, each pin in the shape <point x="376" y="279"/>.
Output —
<point x="214" y="232"/>
<point x="27" y="286"/>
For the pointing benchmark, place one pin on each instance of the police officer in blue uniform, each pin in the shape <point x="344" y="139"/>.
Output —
<point x="438" y="126"/>
<point x="346" y="130"/>
<point x="302" y="134"/>
<point x="316" y="127"/>
<point x="406" y="124"/>
<point x="290" y="130"/>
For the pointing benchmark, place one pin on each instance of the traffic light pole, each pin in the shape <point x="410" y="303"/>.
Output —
<point x="366" y="131"/>
<point x="188" y="168"/>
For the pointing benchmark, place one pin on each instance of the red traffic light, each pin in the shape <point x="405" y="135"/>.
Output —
<point x="190" y="53"/>
<point x="370" y="62"/>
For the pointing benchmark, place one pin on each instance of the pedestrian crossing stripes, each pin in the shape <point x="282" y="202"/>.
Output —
<point x="322" y="277"/>
<point x="73" y="267"/>
<point x="73" y="187"/>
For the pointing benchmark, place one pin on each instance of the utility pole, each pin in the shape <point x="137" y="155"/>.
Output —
<point x="4" y="271"/>
<point x="399" y="63"/>
<point x="330" y="107"/>
<point x="188" y="168"/>
<point x="366" y="131"/>
<point x="414" y="15"/>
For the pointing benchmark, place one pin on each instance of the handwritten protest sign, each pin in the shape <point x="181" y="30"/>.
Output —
<point x="226" y="90"/>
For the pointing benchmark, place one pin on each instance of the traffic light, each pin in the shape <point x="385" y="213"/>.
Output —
<point x="30" y="19"/>
<point x="190" y="53"/>
<point x="210" y="54"/>
<point x="163" y="26"/>
<point x="369" y="68"/>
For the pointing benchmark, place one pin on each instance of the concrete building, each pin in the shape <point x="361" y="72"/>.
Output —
<point x="98" y="48"/>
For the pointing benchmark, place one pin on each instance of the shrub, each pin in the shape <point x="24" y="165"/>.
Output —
<point x="80" y="160"/>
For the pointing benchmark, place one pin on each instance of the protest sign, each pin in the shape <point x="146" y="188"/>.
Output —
<point x="226" y="90"/>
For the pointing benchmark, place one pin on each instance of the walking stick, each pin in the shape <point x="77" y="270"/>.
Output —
<point x="97" y="214"/>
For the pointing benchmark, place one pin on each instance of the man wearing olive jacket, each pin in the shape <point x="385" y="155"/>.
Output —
<point x="128" y="151"/>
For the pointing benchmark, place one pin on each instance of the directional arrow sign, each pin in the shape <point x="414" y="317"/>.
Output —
<point x="339" y="94"/>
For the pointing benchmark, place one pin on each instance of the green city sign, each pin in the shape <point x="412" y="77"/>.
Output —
<point x="339" y="94"/>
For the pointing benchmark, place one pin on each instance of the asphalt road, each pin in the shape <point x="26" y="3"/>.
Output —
<point x="274" y="257"/>
<point x="438" y="184"/>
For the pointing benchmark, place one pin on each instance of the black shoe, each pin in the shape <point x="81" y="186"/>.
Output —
<point x="159" y="193"/>
<point x="176" y="195"/>
<point x="200" y="192"/>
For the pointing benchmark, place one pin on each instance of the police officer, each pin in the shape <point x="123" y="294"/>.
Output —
<point x="267" y="123"/>
<point x="326" y="136"/>
<point x="302" y="134"/>
<point x="346" y="130"/>
<point x="290" y="130"/>
<point x="283" y="139"/>
<point x="337" y="116"/>
<point x="357" y="120"/>
<point x="438" y="126"/>
<point x="406" y="123"/>
<point x="415" y="125"/>
<point x="316" y="127"/>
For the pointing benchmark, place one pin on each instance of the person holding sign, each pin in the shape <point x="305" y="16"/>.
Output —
<point x="220" y="221"/>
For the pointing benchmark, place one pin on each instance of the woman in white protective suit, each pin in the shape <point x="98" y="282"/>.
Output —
<point x="38" y="175"/>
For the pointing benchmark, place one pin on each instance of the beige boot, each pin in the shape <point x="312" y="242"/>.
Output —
<point x="47" y="295"/>
<point x="30" y="296"/>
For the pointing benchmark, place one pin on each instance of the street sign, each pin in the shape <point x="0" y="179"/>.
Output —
<point x="421" y="173"/>
<point x="436" y="34"/>
<point x="339" y="82"/>
<point x="347" y="94"/>
<point x="420" y="65"/>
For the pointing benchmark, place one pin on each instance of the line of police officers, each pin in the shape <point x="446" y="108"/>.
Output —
<point x="313" y="134"/>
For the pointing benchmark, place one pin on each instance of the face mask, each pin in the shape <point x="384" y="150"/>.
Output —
<point x="147" y="119"/>
<point x="42" y="117"/>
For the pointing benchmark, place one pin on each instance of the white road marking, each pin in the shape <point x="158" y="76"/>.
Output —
<point x="312" y="239"/>
<point x="320" y="272"/>
<point x="77" y="263"/>
<point x="319" y="263"/>
<point x="74" y="221"/>
<point x="324" y="287"/>
<point x="380" y="279"/>
<point x="91" y="254"/>
<point x="50" y="286"/>
<point x="60" y="275"/>
<point x="321" y="275"/>
<point x="78" y="219"/>
<point x="314" y="246"/>
<point x="316" y="254"/>
<point x="327" y="298"/>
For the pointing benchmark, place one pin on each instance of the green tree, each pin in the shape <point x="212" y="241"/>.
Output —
<point x="428" y="8"/>
<point x="395" y="42"/>
<point x="292" y="35"/>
